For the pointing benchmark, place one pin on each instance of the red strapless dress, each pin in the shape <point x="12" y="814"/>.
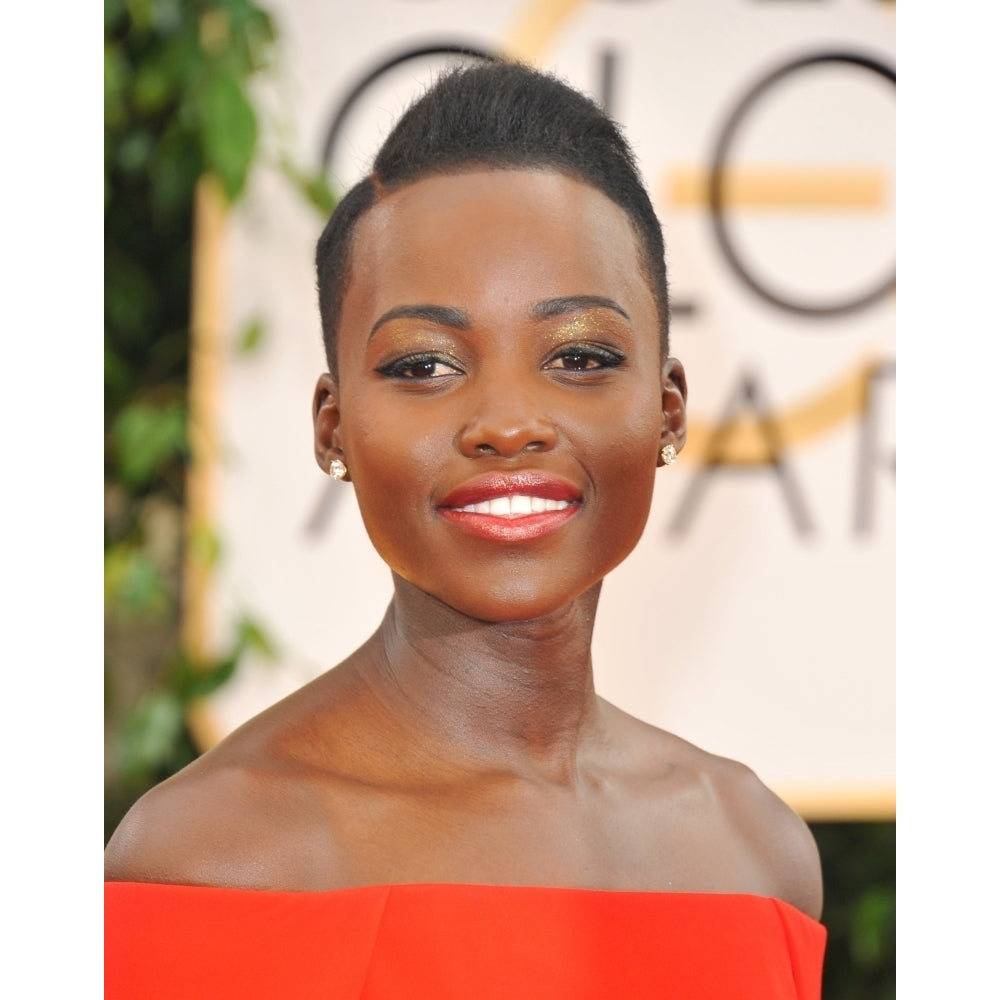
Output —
<point x="454" y="942"/>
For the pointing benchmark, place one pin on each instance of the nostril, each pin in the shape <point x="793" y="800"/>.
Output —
<point x="505" y="434"/>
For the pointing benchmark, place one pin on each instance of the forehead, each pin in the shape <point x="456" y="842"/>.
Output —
<point x="494" y="242"/>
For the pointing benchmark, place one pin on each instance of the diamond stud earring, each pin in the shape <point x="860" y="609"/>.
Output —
<point x="338" y="470"/>
<point x="669" y="454"/>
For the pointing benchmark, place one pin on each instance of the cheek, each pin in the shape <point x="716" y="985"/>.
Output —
<point x="621" y="459"/>
<point x="393" y="469"/>
<point x="627" y="488"/>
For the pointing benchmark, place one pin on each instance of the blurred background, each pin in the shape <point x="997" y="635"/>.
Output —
<point x="765" y="132"/>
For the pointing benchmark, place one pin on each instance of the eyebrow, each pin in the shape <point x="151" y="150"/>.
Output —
<point x="442" y="315"/>
<point x="458" y="319"/>
<point x="551" y="308"/>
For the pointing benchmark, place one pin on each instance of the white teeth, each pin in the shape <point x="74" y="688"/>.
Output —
<point x="520" y="505"/>
<point x="515" y="506"/>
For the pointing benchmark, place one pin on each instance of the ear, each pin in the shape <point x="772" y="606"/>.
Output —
<point x="674" y="429"/>
<point x="326" y="422"/>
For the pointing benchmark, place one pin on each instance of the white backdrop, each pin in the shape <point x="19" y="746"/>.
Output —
<point x="756" y="618"/>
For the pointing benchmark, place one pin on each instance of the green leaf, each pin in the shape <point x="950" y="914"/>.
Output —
<point x="872" y="923"/>
<point x="321" y="195"/>
<point x="134" y="150"/>
<point x="117" y="374"/>
<point x="152" y="88"/>
<point x="174" y="168"/>
<point x="151" y="733"/>
<point x="190" y="680"/>
<point x="204" y="545"/>
<point x="116" y="74"/>
<point x="130" y="297"/>
<point x="250" y="635"/>
<point x="146" y="438"/>
<point x="168" y="16"/>
<point x="227" y="125"/>
<point x="113" y="10"/>
<point x="142" y="14"/>
<point x="251" y="337"/>
<point x="209" y="680"/>
<point x="313" y="186"/>
<point x="251" y="32"/>
<point x="133" y="583"/>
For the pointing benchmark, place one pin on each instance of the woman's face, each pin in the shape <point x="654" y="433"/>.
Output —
<point x="501" y="401"/>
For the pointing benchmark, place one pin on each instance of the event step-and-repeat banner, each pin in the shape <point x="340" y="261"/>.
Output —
<point x="756" y="618"/>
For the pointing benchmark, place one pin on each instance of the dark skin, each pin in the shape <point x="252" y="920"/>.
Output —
<point x="494" y="322"/>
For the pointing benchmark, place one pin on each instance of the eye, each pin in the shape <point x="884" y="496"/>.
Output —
<point x="584" y="358"/>
<point x="420" y="367"/>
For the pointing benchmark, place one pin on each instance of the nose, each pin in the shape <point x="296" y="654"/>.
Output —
<point x="506" y="419"/>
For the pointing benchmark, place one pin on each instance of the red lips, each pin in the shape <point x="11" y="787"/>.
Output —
<point x="518" y="526"/>
<point x="505" y="484"/>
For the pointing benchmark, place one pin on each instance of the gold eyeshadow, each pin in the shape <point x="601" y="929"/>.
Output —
<point x="416" y="341"/>
<point x="583" y="326"/>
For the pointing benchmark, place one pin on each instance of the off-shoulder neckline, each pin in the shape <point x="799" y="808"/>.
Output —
<point x="465" y="887"/>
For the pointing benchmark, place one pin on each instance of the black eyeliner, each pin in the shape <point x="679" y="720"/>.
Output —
<point x="396" y="368"/>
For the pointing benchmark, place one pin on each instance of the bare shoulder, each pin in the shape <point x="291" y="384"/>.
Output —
<point x="768" y="829"/>
<point x="775" y="833"/>
<point x="228" y="819"/>
<point x="258" y="811"/>
<point x="746" y="837"/>
<point x="243" y="815"/>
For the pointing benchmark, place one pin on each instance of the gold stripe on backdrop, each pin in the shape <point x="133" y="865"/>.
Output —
<point x="207" y="325"/>
<point x="862" y="188"/>
<point x="835" y="803"/>
<point x="535" y="26"/>
<point x="743" y="443"/>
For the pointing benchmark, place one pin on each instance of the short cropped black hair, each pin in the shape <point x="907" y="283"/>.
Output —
<point x="503" y="116"/>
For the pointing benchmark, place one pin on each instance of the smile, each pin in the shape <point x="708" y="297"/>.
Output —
<point x="512" y="507"/>
<point x="518" y="505"/>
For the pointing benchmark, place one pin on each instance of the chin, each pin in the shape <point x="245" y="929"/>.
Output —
<point x="510" y="586"/>
<point x="516" y="604"/>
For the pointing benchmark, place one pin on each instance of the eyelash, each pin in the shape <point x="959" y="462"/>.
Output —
<point x="402" y="368"/>
<point x="603" y="356"/>
<point x="594" y="359"/>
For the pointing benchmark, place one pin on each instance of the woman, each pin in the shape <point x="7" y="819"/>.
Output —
<point x="452" y="811"/>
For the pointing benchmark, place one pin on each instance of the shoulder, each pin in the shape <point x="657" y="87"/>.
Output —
<point x="737" y="835"/>
<point x="264" y="809"/>
<point x="219" y="822"/>
<point x="771" y="832"/>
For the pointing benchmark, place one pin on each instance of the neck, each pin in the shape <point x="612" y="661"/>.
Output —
<point x="509" y="695"/>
